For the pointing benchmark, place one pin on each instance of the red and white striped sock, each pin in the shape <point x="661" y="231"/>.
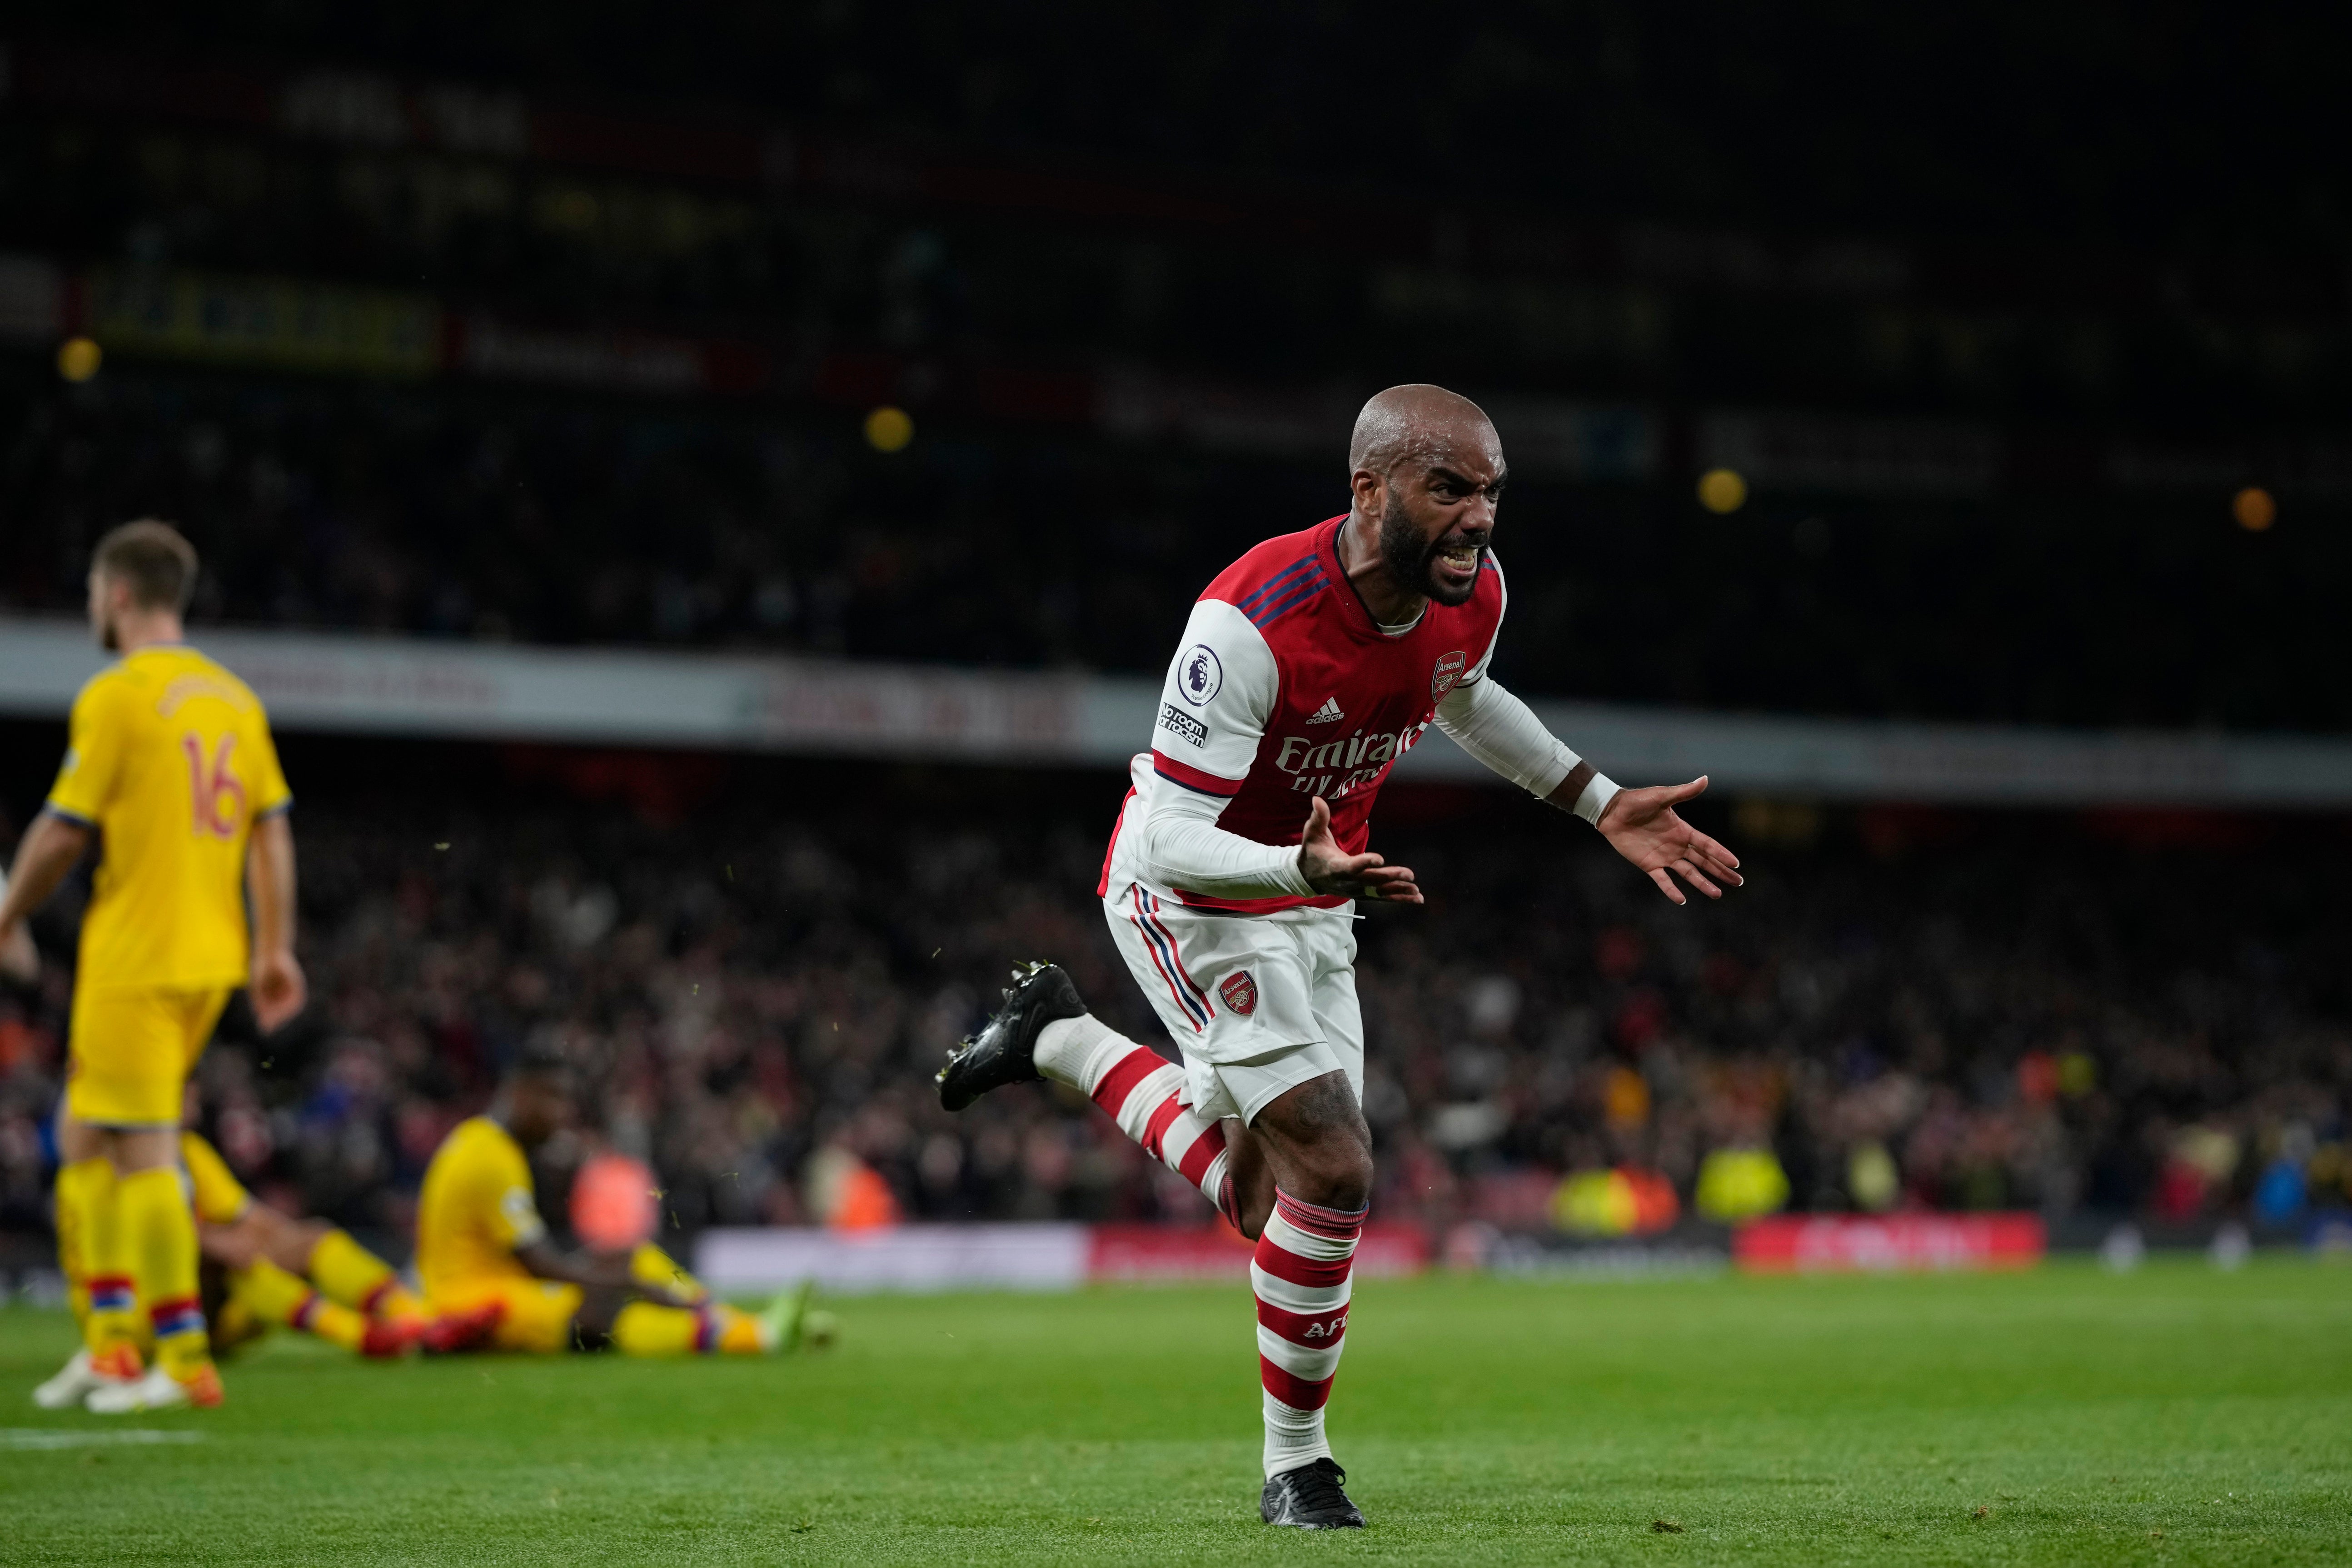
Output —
<point x="1303" y="1274"/>
<point x="1138" y="1088"/>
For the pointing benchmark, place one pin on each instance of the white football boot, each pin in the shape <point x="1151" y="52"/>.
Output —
<point x="70" y="1386"/>
<point x="154" y="1389"/>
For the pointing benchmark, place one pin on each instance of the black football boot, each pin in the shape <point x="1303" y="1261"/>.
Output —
<point x="1004" y="1050"/>
<point x="1310" y="1498"/>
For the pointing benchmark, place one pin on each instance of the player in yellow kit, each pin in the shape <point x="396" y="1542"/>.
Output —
<point x="170" y="766"/>
<point x="247" y="1285"/>
<point x="480" y="1242"/>
<point x="262" y="1267"/>
<point x="259" y="1267"/>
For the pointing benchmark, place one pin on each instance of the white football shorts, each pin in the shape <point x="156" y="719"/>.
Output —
<point x="1257" y="1003"/>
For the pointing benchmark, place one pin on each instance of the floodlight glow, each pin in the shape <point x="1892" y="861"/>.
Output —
<point x="1722" y="491"/>
<point x="79" y="359"/>
<point x="888" y="429"/>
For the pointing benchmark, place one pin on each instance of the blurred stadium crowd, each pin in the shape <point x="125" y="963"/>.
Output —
<point x="483" y="513"/>
<point x="482" y="355"/>
<point x="1901" y="1011"/>
<point x="415" y="326"/>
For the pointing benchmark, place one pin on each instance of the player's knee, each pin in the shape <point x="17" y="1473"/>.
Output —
<point x="289" y="1242"/>
<point x="1347" y="1180"/>
<point x="1326" y="1147"/>
<point x="1338" y="1170"/>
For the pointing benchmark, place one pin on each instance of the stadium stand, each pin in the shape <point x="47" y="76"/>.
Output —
<point x="464" y="512"/>
<point x="595" y="375"/>
<point x="594" y="370"/>
<point x="2094" y="1016"/>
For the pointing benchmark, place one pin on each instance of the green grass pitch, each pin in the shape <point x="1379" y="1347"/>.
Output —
<point x="2176" y="1414"/>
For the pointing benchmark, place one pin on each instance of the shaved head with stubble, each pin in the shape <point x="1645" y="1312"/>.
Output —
<point x="1426" y="470"/>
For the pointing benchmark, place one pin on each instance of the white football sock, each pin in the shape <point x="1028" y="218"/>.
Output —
<point x="1142" y="1091"/>
<point x="1292" y="1437"/>
<point x="1064" y="1045"/>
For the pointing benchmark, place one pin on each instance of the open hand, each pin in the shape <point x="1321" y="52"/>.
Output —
<point x="276" y="989"/>
<point x="1645" y="830"/>
<point x="1329" y="870"/>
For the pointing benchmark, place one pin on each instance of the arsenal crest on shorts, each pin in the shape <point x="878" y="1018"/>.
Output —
<point x="1240" y="992"/>
<point x="1447" y="674"/>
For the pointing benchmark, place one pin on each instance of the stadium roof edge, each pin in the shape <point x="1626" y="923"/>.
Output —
<point x="357" y="683"/>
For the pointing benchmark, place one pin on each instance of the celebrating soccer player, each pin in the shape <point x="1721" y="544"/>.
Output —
<point x="170" y="765"/>
<point x="480" y="1243"/>
<point x="1308" y="667"/>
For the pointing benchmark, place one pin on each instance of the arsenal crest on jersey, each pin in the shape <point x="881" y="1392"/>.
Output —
<point x="1447" y="675"/>
<point x="1240" y="992"/>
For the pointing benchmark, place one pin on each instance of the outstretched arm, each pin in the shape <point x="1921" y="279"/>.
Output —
<point x="1504" y="732"/>
<point x="593" y="1271"/>
<point x="48" y="850"/>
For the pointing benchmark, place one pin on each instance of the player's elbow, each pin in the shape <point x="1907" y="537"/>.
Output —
<point x="272" y="841"/>
<point x="65" y="836"/>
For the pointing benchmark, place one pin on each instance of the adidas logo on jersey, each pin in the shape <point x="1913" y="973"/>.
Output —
<point x="1328" y="714"/>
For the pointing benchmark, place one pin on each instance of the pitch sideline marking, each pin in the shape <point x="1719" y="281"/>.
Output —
<point x="50" y="1437"/>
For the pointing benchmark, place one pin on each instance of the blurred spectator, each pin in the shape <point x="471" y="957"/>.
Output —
<point x="2033" y="1019"/>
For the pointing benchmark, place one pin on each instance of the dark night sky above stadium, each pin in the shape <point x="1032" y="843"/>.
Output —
<point x="2208" y="128"/>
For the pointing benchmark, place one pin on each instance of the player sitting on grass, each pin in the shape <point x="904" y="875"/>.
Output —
<point x="261" y="1268"/>
<point x="480" y="1243"/>
<point x="264" y="1267"/>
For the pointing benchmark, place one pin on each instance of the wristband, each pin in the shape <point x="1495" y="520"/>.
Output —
<point x="1598" y="792"/>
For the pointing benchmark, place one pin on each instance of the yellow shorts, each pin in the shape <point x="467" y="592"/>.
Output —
<point x="131" y="1053"/>
<point x="539" y="1312"/>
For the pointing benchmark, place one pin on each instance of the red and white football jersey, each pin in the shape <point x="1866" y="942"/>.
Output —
<point x="1285" y="688"/>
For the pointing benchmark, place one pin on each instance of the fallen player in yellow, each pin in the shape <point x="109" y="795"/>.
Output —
<point x="259" y="1267"/>
<point x="263" y="1268"/>
<point x="480" y="1243"/>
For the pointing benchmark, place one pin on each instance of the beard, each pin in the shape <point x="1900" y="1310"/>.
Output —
<point x="1409" y="557"/>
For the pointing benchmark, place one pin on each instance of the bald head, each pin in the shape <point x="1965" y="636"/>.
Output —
<point x="1426" y="470"/>
<point x="1418" y="423"/>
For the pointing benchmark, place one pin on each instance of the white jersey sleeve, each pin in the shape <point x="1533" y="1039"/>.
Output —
<point x="1185" y="847"/>
<point x="1213" y="707"/>
<point x="1503" y="733"/>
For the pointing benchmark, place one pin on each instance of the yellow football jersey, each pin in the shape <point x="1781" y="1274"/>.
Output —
<point x="218" y="1198"/>
<point x="169" y="757"/>
<point x="477" y="1207"/>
